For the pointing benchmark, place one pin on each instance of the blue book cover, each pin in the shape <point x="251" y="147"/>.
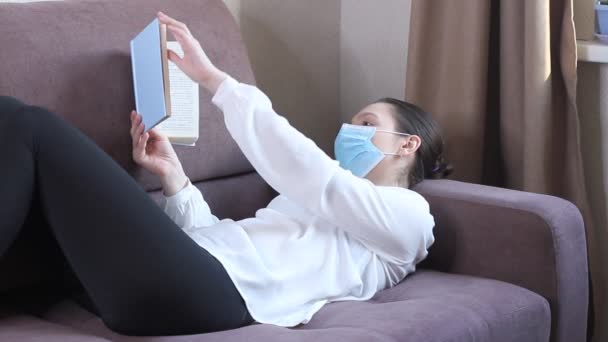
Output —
<point x="150" y="77"/>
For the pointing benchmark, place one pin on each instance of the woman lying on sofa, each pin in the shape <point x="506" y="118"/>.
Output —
<point x="339" y="230"/>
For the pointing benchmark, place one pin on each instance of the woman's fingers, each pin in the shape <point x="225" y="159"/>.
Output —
<point x="165" y="19"/>
<point x="139" y="152"/>
<point x="139" y="138"/>
<point x="156" y="134"/>
<point x="178" y="27"/>
<point x="174" y="57"/>
<point x="137" y="128"/>
<point x="180" y="35"/>
<point x="134" y="125"/>
<point x="133" y="116"/>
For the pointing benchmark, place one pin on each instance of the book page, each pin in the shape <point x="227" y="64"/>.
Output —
<point x="182" y="126"/>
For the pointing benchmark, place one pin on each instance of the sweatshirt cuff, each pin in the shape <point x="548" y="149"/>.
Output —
<point x="180" y="197"/>
<point x="224" y="90"/>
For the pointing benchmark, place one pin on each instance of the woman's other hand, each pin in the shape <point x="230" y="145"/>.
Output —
<point x="153" y="151"/>
<point x="195" y="62"/>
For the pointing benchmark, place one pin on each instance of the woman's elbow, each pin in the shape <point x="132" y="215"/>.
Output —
<point x="416" y="242"/>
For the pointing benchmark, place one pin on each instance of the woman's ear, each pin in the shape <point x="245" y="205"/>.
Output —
<point x="410" y="145"/>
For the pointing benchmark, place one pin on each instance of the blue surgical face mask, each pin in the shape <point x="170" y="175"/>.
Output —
<point x="356" y="152"/>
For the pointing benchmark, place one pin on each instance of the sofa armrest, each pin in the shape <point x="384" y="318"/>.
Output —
<point x="535" y="241"/>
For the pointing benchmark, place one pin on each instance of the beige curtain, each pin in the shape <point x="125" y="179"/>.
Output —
<point x="500" y="78"/>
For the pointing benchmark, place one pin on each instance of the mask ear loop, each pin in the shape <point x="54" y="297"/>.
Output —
<point x="399" y="133"/>
<point x="381" y="130"/>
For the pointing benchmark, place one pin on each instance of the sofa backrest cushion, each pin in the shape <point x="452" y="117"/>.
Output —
<point x="73" y="58"/>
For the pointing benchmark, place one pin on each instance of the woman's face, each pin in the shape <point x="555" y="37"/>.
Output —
<point x="390" y="169"/>
<point x="380" y="115"/>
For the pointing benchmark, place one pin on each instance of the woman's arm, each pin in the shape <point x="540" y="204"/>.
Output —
<point x="394" y="222"/>
<point x="188" y="209"/>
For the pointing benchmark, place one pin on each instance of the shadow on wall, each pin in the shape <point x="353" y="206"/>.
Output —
<point x="306" y="96"/>
<point x="364" y="84"/>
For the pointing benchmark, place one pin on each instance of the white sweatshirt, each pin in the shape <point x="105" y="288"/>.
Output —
<point x="329" y="235"/>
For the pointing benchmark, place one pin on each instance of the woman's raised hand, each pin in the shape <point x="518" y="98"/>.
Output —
<point x="153" y="151"/>
<point x="195" y="62"/>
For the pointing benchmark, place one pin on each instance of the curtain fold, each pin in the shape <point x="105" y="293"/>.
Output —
<point x="500" y="78"/>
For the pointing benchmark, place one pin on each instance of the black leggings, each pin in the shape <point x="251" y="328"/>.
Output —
<point x="144" y="275"/>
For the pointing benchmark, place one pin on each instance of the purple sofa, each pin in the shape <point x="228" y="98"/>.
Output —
<point x="506" y="265"/>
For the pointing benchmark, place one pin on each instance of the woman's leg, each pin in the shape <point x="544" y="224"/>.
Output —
<point x="144" y="274"/>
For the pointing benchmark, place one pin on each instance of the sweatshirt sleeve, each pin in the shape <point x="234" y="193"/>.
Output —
<point x="393" y="222"/>
<point x="188" y="209"/>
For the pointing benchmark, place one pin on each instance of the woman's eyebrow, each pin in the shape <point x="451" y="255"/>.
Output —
<point x="369" y="114"/>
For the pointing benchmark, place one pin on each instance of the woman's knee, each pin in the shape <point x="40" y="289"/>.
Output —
<point x="10" y="105"/>
<point x="15" y="109"/>
<point x="14" y="117"/>
<point x="29" y="117"/>
<point x="24" y="121"/>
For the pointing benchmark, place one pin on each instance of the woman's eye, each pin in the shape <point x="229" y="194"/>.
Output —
<point x="367" y="123"/>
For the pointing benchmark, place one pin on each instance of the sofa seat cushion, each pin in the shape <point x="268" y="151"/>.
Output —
<point x="427" y="306"/>
<point x="435" y="306"/>
<point x="20" y="327"/>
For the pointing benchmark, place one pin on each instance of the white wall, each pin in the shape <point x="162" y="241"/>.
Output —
<point x="373" y="52"/>
<point x="235" y="8"/>
<point x="294" y="50"/>
<point x="321" y="61"/>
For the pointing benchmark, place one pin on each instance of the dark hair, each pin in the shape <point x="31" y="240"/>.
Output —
<point x="429" y="161"/>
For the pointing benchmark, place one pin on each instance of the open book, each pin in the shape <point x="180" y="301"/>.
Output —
<point x="164" y="96"/>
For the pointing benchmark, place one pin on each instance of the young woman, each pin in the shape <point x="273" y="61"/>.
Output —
<point x="339" y="230"/>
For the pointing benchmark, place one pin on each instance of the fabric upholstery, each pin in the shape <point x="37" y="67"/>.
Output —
<point x="531" y="240"/>
<point x="421" y="308"/>
<point x="19" y="327"/>
<point x="81" y="70"/>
